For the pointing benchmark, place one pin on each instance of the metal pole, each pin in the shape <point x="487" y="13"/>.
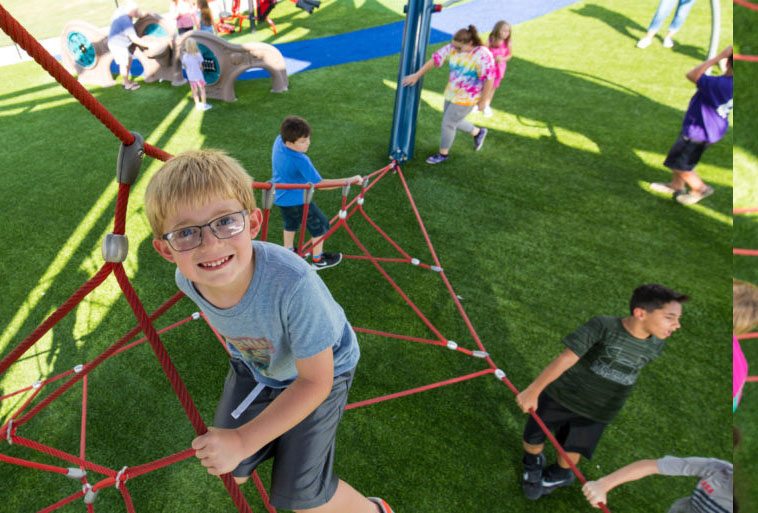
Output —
<point x="412" y="54"/>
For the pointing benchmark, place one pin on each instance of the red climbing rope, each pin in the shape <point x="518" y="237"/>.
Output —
<point x="349" y="209"/>
<point x="745" y="3"/>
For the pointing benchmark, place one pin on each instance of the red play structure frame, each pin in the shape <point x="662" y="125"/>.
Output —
<point x="83" y="469"/>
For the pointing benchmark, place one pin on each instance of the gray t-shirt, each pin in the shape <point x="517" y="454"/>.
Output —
<point x="713" y="493"/>
<point x="287" y="314"/>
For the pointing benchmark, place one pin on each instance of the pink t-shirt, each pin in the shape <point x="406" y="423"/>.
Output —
<point x="739" y="372"/>
<point x="504" y="51"/>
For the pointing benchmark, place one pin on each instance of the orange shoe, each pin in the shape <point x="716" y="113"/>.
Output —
<point x="382" y="504"/>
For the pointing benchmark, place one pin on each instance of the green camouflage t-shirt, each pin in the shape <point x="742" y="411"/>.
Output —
<point x="610" y="360"/>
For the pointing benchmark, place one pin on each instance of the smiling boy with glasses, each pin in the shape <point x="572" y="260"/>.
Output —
<point x="293" y="352"/>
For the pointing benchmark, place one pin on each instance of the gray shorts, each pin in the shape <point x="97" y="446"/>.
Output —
<point x="302" y="476"/>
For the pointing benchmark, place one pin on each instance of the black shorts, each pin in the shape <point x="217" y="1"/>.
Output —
<point x="317" y="223"/>
<point x="685" y="154"/>
<point x="574" y="432"/>
<point x="302" y="476"/>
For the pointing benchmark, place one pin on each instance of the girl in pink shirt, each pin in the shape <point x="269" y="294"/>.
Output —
<point x="500" y="47"/>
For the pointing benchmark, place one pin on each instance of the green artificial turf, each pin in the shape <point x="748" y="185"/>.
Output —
<point x="746" y="236"/>
<point x="550" y="224"/>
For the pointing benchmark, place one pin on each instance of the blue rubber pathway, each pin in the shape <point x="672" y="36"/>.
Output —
<point x="385" y="40"/>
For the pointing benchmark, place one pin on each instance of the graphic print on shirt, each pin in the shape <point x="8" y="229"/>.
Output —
<point x="256" y="352"/>
<point x="620" y="366"/>
<point x="724" y="109"/>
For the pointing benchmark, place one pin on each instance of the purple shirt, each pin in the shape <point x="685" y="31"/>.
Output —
<point x="707" y="117"/>
<point x="291" y="166"/>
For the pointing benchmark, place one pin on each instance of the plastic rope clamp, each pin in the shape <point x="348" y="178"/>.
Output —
<point x="9" y="432"/>
<point x="308" y="194"/>
<point x="451" y="344"/>
<point x="37" y="384"/>
<point x="120" y="474"/>
<point x="267" y="197"/>
<point x="415" y="261"/>
<point x="360" y="200"/>
<point x="89" y="494"/>
<point x="79" y="368"/>
<point x="195" y="316"/>
<point x="499" y="374"/>
<point x="115" y="248"/>
<point x="76" y="473"/>
<point x="480" y="354"/>
<point x="436" y="268"/>
<point x="130" y="160"/>
<point x="343" y="214"/>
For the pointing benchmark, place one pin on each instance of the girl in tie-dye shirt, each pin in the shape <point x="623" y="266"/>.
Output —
<point x="472" y="70"/>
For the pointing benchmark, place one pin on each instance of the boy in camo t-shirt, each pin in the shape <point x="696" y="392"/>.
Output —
<point x="580" y="392"/>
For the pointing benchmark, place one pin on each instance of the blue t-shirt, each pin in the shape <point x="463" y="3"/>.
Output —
<point x="707" y="117"/>
<point x="121" y="27"/>
<point x="291" y="166"/>
<point x="286" y="314"/>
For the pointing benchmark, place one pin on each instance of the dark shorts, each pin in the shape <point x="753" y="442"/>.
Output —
<point x="317" y="223"/>
<point x="302" y="475"/>
<point x="574" y="432"/>
<point x="685" y="154"/>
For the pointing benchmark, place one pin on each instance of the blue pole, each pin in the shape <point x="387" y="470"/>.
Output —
<point x="412" y="54"/>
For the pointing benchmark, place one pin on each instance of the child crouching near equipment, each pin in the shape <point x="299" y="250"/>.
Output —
<point x="192" y="62"/>
<point x="293" y="351"/>
<point x="580" y="392"/>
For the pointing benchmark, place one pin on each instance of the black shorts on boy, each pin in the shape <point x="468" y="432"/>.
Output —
<point x="302" y="476"/>
<point x="574" y="432"/>
<point x="685" y="154"/>
<point x="316" y="223"/>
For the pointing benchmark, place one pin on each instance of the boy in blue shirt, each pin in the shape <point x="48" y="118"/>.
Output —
<point x="293" y="352"/>
<point x="291" y="165"/>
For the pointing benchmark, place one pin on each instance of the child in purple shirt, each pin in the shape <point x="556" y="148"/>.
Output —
<point x="706" y="122"/>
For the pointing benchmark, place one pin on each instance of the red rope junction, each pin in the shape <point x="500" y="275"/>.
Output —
<point x="93" y="477"/>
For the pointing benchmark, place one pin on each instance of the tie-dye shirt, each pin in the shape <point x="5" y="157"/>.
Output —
<point x="468" y="73"/>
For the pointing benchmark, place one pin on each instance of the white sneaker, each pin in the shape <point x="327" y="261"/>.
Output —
<point x="487" y="112"/>
<point x="207" y="106"/>
<point x="644" y="42"/>
<point x="668" y="42"/>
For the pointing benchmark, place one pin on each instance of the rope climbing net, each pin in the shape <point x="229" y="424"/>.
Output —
<point x="32" y="400"/>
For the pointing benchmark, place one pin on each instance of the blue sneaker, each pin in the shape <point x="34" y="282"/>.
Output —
<point x="479" y="139"/>
<point x="436" y="158"/>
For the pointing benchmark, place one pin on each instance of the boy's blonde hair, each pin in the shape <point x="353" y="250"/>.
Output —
<point x="744" y="307"/>
<point x="192" y="179"/>
<point x="190" y="46"/>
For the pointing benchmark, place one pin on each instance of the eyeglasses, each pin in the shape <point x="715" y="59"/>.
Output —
<point x="190" y="237"/>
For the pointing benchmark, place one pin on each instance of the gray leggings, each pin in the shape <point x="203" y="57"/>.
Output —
<point x="454" y="118"/>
